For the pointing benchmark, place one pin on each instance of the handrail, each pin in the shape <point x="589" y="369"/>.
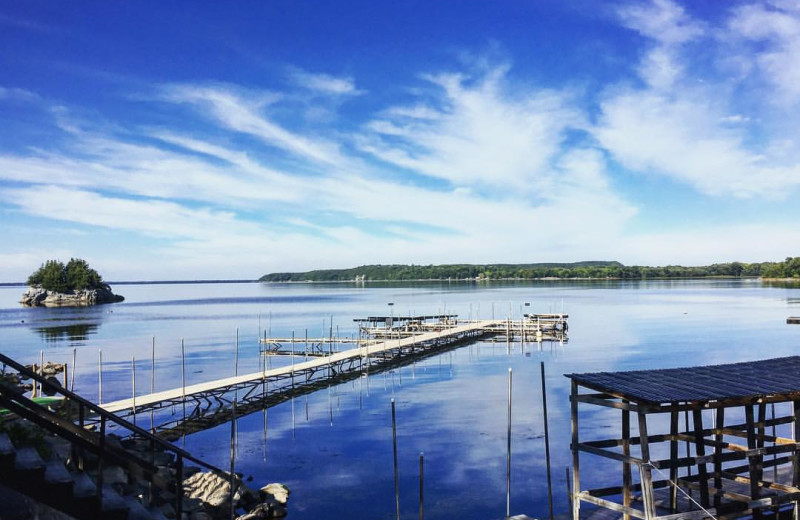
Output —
<point x="108" y="415"/>
<point x="21" y="405"/>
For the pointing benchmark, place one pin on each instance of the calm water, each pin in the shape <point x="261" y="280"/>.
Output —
<point x="333" y="448"/>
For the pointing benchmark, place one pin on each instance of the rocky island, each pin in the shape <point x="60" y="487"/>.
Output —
<point x="72" y="285"/>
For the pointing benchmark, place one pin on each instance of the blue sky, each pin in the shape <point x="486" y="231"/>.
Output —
<point x="163" y="140"/>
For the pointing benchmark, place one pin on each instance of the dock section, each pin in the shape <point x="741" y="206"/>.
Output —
<point x="379" y="348"/>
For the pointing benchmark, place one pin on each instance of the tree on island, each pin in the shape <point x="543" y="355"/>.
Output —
<point x="75" y="276"/>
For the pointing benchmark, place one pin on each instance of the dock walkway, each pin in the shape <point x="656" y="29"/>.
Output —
<point x="360" y="358"/>
<point x="211" y="402"/>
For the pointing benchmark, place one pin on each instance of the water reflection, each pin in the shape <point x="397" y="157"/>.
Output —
<point x="74" y="333"/>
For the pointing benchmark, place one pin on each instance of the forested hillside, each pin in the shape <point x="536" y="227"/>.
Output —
<point x="595" y="269"/>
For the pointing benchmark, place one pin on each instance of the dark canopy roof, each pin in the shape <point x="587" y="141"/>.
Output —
<point x="706" y="383"/>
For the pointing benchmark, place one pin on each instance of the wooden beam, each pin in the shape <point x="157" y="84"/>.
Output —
<point x="600" y="401"/>
<point x="645" y="471"/>
<point x="755" y="490"/>
<point x="697" y="421"/>
<point x="608" y="504"/>
<point x="673" y="461"/>
<point x="576" y="481"/>
<point x="719" y="423"/>
<point x="626" y="465"/>
<point x="582" y="446"/>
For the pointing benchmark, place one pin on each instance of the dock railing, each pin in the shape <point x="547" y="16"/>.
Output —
<point x="74" y="408"/>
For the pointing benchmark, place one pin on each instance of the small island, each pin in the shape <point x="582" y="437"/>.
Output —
<point x="73" y="285"/>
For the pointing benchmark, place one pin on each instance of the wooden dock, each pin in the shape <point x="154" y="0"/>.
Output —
<point x="209" y="403"/>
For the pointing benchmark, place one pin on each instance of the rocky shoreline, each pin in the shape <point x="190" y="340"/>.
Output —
<point x="38" y="297"/>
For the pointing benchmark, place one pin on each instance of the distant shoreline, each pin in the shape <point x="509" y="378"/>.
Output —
<point x="147" y="282"/>
<point x="474" y="280"/>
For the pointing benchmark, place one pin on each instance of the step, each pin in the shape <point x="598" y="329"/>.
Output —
<point x="114" y="506"/>
<point x="139" y="512"/>
<point x="85" y="500"/>
<point x="58" y="480"/>
<point x="28" y="465"/>
<point x="7" y="452"/>
<point x="56" y="473"/>
<point x="82" y="486"/>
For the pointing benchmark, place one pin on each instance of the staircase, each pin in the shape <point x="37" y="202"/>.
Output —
<point x="84" y="472"/>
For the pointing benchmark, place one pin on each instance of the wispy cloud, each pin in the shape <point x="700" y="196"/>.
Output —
<point x="680" y="128"/>
<point x="324" y="83"/>
<point x="482" y="132"/>
<point x="776" y="26"/>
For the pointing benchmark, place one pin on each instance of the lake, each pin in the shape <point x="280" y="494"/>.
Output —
<point x="333" y="448"/>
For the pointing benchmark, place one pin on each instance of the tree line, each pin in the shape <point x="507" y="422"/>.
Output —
<point x="578" y="270"/>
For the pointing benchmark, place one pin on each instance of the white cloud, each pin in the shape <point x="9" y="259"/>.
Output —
<point x="683" y="138"/>
<point x="238" y="114"/>
<point x="777" y="27"/>
<point x="18" y="94"/>
<point x="686" y="130"/>
<point x="324" y="83"/>
<point x="661" y="20"/>
<point x="483" y="133"/>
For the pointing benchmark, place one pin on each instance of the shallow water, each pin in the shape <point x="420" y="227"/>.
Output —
<point x="333" y="448"/>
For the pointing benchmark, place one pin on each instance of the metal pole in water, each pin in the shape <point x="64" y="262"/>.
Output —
<point x="183" y="380"/>
<point x="72" y="375"/>
<point x="421" y="485"/>
<point x="233" y="461"/>
<point x="292" y="358"/>
<point x="133" y="385"/>
<point x="41" y="371"/>
<point x="236" y="355"/>
<point x="152" y="379"/>
<point x="394" y="447"/>
<point x="100" y="376"/>
<point x="569" y="490"/>
<point x="546" y="443"/>
<point x="508" y="449"/>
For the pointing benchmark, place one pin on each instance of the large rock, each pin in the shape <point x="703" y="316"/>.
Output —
<point x="209" y="488"/>
<point x="38" y="297"/>
<point x="275" y="493"/>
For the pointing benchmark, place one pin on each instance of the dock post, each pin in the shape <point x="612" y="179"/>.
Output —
<point x="152" y="380"/>
<point x="421" y="485"/>
<point x="546" y="442"/>
<point x="396" y="479"/>
<point x="673" y="464"/>
<point x="795" y="456"/>
<point x="700" y="450"/>
<point x="100" y="376"/>
<point x="576" y="483"/>
<point x="133" y="388"/>
<point x="626" y="466"/>
<point x="720" y="424"/>
<point x="645" y="473"/>
<point x="72" y="375"/>
<point x="292" y="359"/>
<point x="233" y="461"/>
<point x="569" y="488"/>
<point x="508" y="448"/>
<point x="183" y="380"/>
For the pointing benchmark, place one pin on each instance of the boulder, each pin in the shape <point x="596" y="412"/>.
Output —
<point x="209" y="488"/>
<point x="274" y="493"/>
<point x="38" y="297"/>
